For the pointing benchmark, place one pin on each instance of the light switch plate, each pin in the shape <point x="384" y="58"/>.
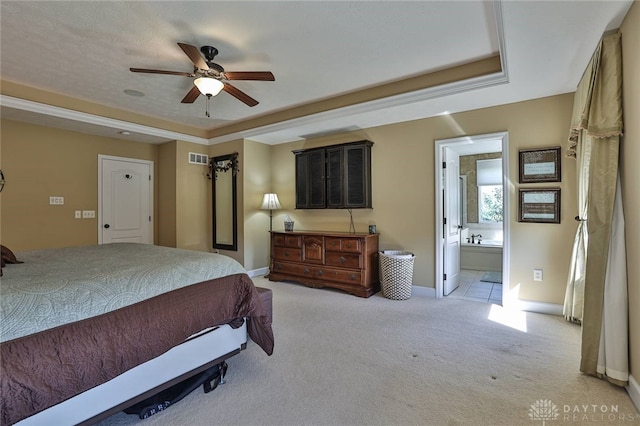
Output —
<point x="537" y="274"/>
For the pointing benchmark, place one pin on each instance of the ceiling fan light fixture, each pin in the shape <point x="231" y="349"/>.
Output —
<point x="208" y="86"/>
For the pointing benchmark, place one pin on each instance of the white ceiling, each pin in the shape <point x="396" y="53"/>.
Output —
<point x="316" y="50"/>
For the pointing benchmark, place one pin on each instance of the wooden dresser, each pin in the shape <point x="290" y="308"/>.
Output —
<point x="344" y="261"/>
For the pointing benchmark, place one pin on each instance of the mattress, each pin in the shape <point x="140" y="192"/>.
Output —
<point x="59" y="286"/>
<point x="75" y="318"/>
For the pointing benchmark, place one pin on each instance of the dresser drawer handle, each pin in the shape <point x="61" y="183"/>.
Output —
<point x="286" y="254"/>
<point x="353" y="277"/>
<point x="342" y="259"/>
<point x="279" y="266"/>
<point x="306" y="270"/>
<point x="320" y="272"/>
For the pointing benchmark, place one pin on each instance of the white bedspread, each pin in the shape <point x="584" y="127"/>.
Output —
<point x="59" y="286"/>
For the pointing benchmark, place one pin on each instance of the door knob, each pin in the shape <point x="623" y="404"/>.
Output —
<point x="106" y="225"/>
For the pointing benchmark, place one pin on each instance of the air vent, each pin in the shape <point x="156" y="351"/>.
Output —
<point x="201" y="159"/>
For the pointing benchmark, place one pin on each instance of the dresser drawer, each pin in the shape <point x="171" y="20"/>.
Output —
<point x="343" y="260"/>
<point x="293" y="269"/>
<point x="338" y="275"/>
<point x="285" y="253"/>
<point x="347" y="245"/>
<point x="293" y="241"/>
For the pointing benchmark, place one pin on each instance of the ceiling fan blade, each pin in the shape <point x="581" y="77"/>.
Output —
<point x="250" y="75"/>
<point x="194" y="54"/>
<point x="191" y="96"/>
<point x="186" y="74"/>
<point x="239" y="94"/>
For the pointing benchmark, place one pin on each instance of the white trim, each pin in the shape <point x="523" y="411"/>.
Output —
<point x="537" y="307"/>
<point x="151" y="204"/>
<point x="83" y="117"/>
<point x="420" y="291"/>
<point x="375" y="105"/>
<point x="260" y="272"/>
<point x="633" y="389"/>
<point x="502" y="47"/>
<point x="439" y="237"/>
<point x="470" y="84"/>
<point x="392" y="101"/>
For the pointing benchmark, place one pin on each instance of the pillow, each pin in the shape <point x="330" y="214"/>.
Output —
<point x="8" y="256"/>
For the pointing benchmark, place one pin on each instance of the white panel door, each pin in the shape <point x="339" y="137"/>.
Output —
<point x="452" y="220"/>
<point x="125" y="187"/>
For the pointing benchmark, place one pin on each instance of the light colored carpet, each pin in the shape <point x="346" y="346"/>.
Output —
<point x="344" y="360"/>
<point x="492" y="277"/>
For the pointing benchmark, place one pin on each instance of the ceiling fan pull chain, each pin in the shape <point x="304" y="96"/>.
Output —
<point x="207" y="110"/>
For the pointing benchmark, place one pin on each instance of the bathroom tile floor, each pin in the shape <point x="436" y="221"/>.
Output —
<point x="471" y="288"/>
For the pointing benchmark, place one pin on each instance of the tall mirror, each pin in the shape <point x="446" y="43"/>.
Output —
<point x="481" y="188"/>
<point x="223" y="171"/>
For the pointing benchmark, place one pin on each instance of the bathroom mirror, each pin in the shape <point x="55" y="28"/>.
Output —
<point x="223" y="171"/>
<point x="470" y="182"/>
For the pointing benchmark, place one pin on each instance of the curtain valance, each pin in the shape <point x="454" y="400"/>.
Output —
<point x="597" y="104"/>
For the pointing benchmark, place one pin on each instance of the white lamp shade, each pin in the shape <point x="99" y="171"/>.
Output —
<point x="208" y="85"/>
<point x="270" y="202"/>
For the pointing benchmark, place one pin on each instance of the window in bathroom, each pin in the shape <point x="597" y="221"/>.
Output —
<point x="490" y="205"/>
<point x="489" y="180"/>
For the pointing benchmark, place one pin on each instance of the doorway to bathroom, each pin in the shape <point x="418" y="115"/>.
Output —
<point x="472" y="211"/>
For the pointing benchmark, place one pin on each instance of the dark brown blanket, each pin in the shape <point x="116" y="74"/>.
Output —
<point x="46" y="368"/>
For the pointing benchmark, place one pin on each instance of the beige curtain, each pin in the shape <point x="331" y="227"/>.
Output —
<point x="596" y="292"/>
<point x="574" y="296"/>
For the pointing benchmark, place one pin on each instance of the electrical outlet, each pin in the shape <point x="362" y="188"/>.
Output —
<point x="88" y="214"/>
<point x="537" y="274"/>
<point x="56" y="201"/>
<point x="78" y="214"/>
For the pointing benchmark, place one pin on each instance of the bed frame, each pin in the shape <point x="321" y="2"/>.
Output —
<point x="46" y="380"/>
<point x="192" y="357"/>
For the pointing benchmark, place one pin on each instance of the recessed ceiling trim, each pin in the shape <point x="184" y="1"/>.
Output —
<point x="502" y="47"/>
<point x="392" y="101"/>
<point x="379" y="105"/>
<point x="83" y="117"/>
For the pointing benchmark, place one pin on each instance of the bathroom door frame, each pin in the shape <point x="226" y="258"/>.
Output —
<point x="439" y="190"/>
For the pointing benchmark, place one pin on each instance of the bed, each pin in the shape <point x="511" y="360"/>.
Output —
<point x="87" y="331"/>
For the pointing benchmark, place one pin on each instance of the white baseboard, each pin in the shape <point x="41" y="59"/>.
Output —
<point x="258" y="272"/>
<point x="633" y="389"/>
<point x="417" y="290"/>
<point x="538" y="307"/>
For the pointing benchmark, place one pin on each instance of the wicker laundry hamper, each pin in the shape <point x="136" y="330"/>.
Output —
<point x="396" y="273"/>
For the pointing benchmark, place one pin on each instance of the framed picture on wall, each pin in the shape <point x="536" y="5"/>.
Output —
<point x="539" y="165"/>
<point x="541" y="205"/>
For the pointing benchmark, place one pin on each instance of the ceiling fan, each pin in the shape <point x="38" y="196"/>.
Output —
<point x="211" y="78"/>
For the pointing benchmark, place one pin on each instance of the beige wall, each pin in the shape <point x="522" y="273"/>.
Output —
<point x="403" y="190"/>
<point x="630" y="173"/>
<point x="257" y="181"/>
<point x="166" y="171"/>
<point x="39" y="162"/>
<point x="193" y="199"/>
